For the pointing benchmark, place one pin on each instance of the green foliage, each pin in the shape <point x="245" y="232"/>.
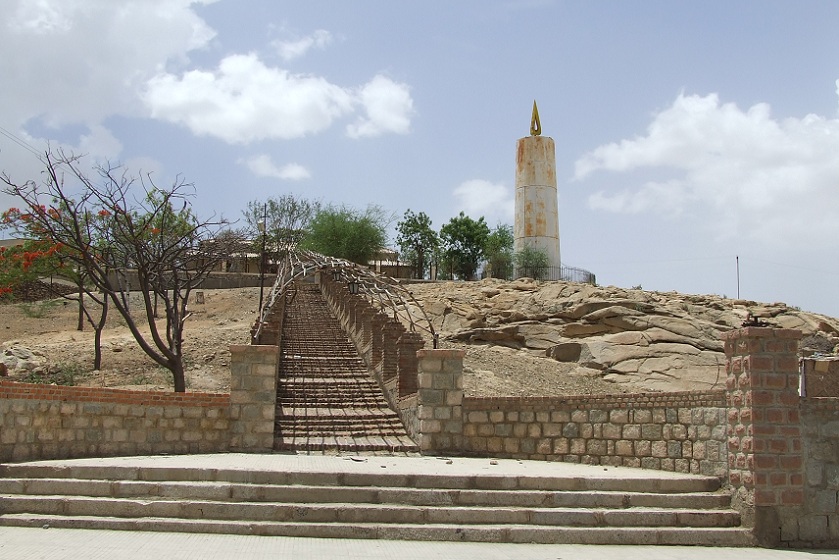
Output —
<point x="347" y="233"/>
<point x="499" y="252"/>
<point x="463" y="241"/>
<point x="287" y="220"/>
<point x="416" y="240"/>
<point x="532" y="263"/>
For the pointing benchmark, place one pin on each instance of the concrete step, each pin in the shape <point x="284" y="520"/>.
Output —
<point x="511" y="533"/>
<point x="337" y="512"/>
<point x="639" y="483"/>
<point x="413" y="497"/>
<point x="241" y="492"/>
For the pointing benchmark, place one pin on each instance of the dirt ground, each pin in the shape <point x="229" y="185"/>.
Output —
<point x="225" y="318"/>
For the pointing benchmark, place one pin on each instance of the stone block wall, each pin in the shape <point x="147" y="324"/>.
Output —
<point x="440" y="400"/>
<point x="253" y="396"/>
<point x="817" y="520"/>
<point x="57" y="422"/>
<point x="682" y="432"/>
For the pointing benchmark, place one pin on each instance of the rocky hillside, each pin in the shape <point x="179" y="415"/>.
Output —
<point x="521" y="338"/>
<point x="632" y="339"/>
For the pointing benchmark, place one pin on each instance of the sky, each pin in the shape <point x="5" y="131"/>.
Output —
<point x="691" y="137"/>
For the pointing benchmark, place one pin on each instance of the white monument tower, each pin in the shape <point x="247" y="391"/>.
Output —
<point x="537" y="214"/>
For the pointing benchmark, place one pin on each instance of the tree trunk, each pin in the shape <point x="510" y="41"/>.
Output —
<point x="97" y="336"/>
<point x="178" y="376"/>
<point x="80" y="324"/>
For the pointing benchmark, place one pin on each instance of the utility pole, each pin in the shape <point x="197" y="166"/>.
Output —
<point x="738" y="275"/>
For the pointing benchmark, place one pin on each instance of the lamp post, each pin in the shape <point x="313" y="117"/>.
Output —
<point x="262" y="257"/>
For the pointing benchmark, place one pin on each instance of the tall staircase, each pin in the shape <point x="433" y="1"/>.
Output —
<point x="326" y="400"/>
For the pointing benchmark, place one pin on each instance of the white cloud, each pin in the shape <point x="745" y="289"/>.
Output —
<point x="245" y="100"/>
<point x="493" y="201"/>
<point x="388" y="107"/>
<point x="80" y="61"/>
<point x="263" y="166"/>
<point x="289" y="50"/>
<point x="742" y="172"/>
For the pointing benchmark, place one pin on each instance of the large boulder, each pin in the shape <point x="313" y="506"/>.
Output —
<point x="19" y="360"/>
<point x="657" y="339"/>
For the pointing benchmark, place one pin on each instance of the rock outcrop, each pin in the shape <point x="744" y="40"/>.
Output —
<point x="654" y="340"/>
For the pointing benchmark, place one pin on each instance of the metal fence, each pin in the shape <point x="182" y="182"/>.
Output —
<point x="564" y="273"/>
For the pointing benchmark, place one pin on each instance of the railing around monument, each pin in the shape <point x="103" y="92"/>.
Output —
<point x="563" y="273"/>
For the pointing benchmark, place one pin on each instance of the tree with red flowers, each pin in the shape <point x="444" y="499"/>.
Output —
<point x="25" y="263"/>
<point x="123" y="231"/>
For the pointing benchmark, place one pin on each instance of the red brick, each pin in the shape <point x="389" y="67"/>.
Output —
<point x="792" y="497"/>
<point x="763" y="461"/>
<point x="765" y="497"/>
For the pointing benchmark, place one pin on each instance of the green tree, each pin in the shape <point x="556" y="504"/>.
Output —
<point x="343" y="232"/>
<point x="463" y="240"/>
<point x="499" y="252"/>
<point x="287" y="220"/>
<point x="416" y="240"/>
<point x="119" y="226"/>
<point x="532" y="262"/>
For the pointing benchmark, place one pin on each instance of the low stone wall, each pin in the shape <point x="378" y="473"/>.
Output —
<point x="58" y="422"/>
<point x="55" y="422"/>
<point x="683" y="432"/>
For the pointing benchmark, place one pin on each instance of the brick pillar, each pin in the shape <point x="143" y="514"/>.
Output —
<point x="393" y="330"/>
<point x="440" y="400"/>
<point x="253" y="396"/>
<point x="764" y="430"/>
<point x="365" y="338"/>
<point x="407" y="347"/>
<point x="378" y="323"/>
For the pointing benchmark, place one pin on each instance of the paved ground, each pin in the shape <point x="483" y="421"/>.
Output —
<point x="61" y="544"/>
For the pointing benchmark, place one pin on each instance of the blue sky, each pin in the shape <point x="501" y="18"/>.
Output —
<point x="687" y="134"/>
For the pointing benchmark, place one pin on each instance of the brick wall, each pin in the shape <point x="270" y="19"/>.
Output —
<point x="57" y="422"/>
<point x="764" y="430"/>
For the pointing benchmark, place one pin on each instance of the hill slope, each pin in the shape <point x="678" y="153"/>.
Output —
<point x="521" y="338"/>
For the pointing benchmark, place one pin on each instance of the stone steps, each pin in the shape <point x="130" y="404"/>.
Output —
<point x="326" y="401"/>
<point x="477" y="506"/>
<point x="505" y="533"/>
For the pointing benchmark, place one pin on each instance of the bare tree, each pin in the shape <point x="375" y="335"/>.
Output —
<point x="117" y="227"/>
<point x="286" y="218"/>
